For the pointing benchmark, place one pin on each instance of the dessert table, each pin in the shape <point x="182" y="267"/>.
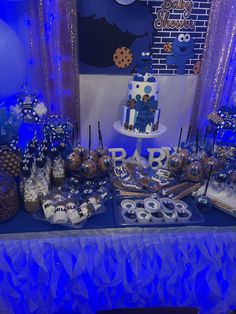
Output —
<point x="52" y="269"/>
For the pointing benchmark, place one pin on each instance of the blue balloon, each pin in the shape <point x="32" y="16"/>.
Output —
<point x="12" y="61"/>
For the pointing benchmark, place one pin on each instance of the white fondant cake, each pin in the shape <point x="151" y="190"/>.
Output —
<point x="143" y="88"/>
<point x="141" y="113"/>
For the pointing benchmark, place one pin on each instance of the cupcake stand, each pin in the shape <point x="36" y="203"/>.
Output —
<point x="162" y="129"/>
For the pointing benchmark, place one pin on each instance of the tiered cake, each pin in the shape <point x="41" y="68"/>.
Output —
<point x="141" y="113"/>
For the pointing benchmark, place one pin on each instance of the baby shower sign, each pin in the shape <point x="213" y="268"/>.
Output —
<point x="179" y="35"/>
<point x="163" y="19"/>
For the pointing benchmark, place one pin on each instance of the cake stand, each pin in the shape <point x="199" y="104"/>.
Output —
<point x="139" y="136"/>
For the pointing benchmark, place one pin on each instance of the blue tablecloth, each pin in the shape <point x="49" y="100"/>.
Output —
<point x="47" y="270"/>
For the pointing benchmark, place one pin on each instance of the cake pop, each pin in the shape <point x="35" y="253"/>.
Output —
<point x="221" y="178"/>
<point x="194" y="171"/>
<point x="80" y="151"/>
<point x="175" y="163"/>
<point x="88" y="168"/>
<point x="105" y="163"/>
<point x="72" y="162"/>
<point x="184" y="153"/>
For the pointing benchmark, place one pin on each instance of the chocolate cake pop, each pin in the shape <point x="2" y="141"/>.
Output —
<point x="88" y="168"/>
<point x="175" y="163"/>
<point x="80" y="151"/>
<point x="204" y="157"/>
<point x="184" y="153"/>
<point x="105" y="163"/>
<point x="92" y="156"/>
<point x="72" y="162"/>
<point x="203" y="203"/>
<point x="221" y="177"/>
<point x="195" y="171"/>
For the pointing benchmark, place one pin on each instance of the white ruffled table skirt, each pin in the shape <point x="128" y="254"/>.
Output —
<point x="87" y="270"/>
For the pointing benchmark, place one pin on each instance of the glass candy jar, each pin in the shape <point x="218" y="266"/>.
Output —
<point x="8" y="197"/>
<point x="31" y="198"/>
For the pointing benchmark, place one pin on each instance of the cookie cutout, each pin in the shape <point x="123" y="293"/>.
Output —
<point x="123" y="57"/>
<point x="197" y="67"/>
<point x="167" y="47"/>
<point x="131" y="103"/>
<point x="145" y="98"/>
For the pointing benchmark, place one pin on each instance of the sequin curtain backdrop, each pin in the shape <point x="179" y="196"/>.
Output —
<point x="217" y="61"/>
<point x="53" y="41"/>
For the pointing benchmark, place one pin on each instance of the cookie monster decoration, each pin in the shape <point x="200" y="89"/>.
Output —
<point x="112" y="35"/>
<point x="182" y="51"/>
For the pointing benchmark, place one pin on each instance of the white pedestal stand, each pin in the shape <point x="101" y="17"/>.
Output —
<point x="139" y="136"/>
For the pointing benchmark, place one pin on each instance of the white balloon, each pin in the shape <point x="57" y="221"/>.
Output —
<point x="12" y="61"/>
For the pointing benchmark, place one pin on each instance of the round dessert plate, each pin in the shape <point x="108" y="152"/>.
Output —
<point x="119" y="128"/>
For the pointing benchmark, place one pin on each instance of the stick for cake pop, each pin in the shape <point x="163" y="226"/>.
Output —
<point x="180" y="135"/>
<point x="90" y="138"/>
<point x="73" y="136"/>
<point x="100" y="135"/>
<point x="188" y="135"/>
<point x="214" y="141"/>
<point x="197" y="141"/>
<point x="158" y="117"/>
<point x="76" y="131"/>
<point x="208" y="180"/>
<point x="205" y="136"/>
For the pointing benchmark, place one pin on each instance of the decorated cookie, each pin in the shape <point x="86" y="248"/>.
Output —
<point x="131" y="184"/>
<point x="167" y="47"/>
<point x="122" y="57"/>
<point x="73" y="161"/>
<point x="131" y="103"/>
<point x="146" y="98"/>
<point x="197" y="67"/>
